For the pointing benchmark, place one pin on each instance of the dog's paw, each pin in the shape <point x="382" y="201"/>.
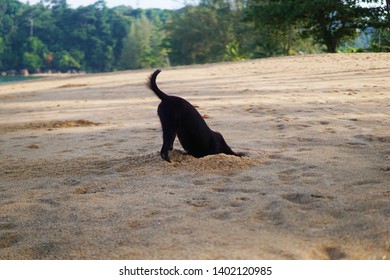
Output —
<point x="164" y="156"/>
<point x="241" y="154"/>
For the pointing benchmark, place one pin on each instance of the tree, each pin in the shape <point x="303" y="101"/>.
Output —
<point x="88" y="30"/>
<point x="9" y="27"/>
<point x="137" y="47"/>
<point x="143" y="48"/>
<point x="49" y="59"/>
<point x="388" y="12"/>
<point x="119" y="24"/>
<point x="233" y="52"/>
<point x="34" y="52"/>
<point x="65" y="61"/>
<point x="199" y="34"/>
<point x="2" y="48"/>
<point x="330" y="23"/>
<point x="382" y="8"/>
<point x="327" y="21"/>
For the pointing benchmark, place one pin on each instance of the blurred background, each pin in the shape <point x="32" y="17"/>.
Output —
<point x="101" y="36"/>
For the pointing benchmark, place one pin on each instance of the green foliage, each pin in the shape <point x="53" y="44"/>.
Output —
<point x="233" y="52"/>
<point x="380" y="41"/>
<point x="34" y="52"/>
<point x="51" y="35"/>
<point x="192" y="36"/>
<point x="2" y="48"/>
<point x="142" y="47"/>
<point x="88" y="38"/>
<point x="327" y="22"/>
<point x="64" y="61"/>
<point x="31" y="61"/>
<point x="34" y="45"/>
<point x="200" y="34"/>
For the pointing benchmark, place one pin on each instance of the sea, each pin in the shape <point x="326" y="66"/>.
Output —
<point x="12" y="79"/>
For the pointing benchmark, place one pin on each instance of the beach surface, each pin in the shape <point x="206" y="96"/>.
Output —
<point x="81" y="176"/>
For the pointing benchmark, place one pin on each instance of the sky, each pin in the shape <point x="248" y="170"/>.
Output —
<point x="144" y="4"/>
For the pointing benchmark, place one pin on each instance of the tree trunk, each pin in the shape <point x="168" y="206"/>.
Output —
<point x="388" y="12"/>
<point x="330" y="42"/>
<point x="331" y="47"/>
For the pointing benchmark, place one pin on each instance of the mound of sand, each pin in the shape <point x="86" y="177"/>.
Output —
<point x="81" y="176"/>
<point x="47" y="125"/>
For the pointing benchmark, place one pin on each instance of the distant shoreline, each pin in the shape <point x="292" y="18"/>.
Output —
<point x="13" y="79"/>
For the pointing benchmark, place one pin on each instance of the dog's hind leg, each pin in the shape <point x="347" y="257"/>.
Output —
<point x="168" y="139"/>
<point x="169" y="134"/>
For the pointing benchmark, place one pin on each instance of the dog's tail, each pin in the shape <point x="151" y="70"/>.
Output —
<point x="151" y="83"/>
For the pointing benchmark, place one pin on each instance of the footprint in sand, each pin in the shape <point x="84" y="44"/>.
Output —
<point x="234" y="190"/>
<point x="373" y="138"/>
<point x="7" y="239"/>
<point x="272" y="213"/>
<point x="334" y="253"/>
<point x="288" y="175"/>
<point x="381" y="142"/>
<point x="304" y="198"/>
<point x="221" y="215"/>
<point x="7" y="226"/>
<point x="198" y="202"/>
<point x="8" y="235"/>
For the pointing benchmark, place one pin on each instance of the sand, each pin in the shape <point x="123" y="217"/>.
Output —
<point x="81" y="176"/>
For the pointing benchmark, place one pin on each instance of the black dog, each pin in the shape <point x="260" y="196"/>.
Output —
<point x="179" y="117"/>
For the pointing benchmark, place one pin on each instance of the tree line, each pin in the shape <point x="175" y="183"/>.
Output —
<point x="53" y="36"/>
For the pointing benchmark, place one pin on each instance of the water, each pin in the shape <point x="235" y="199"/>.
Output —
<point x="9" y="79"/>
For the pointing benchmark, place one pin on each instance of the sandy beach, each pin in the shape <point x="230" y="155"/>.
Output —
<point x="81" y="176"/>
